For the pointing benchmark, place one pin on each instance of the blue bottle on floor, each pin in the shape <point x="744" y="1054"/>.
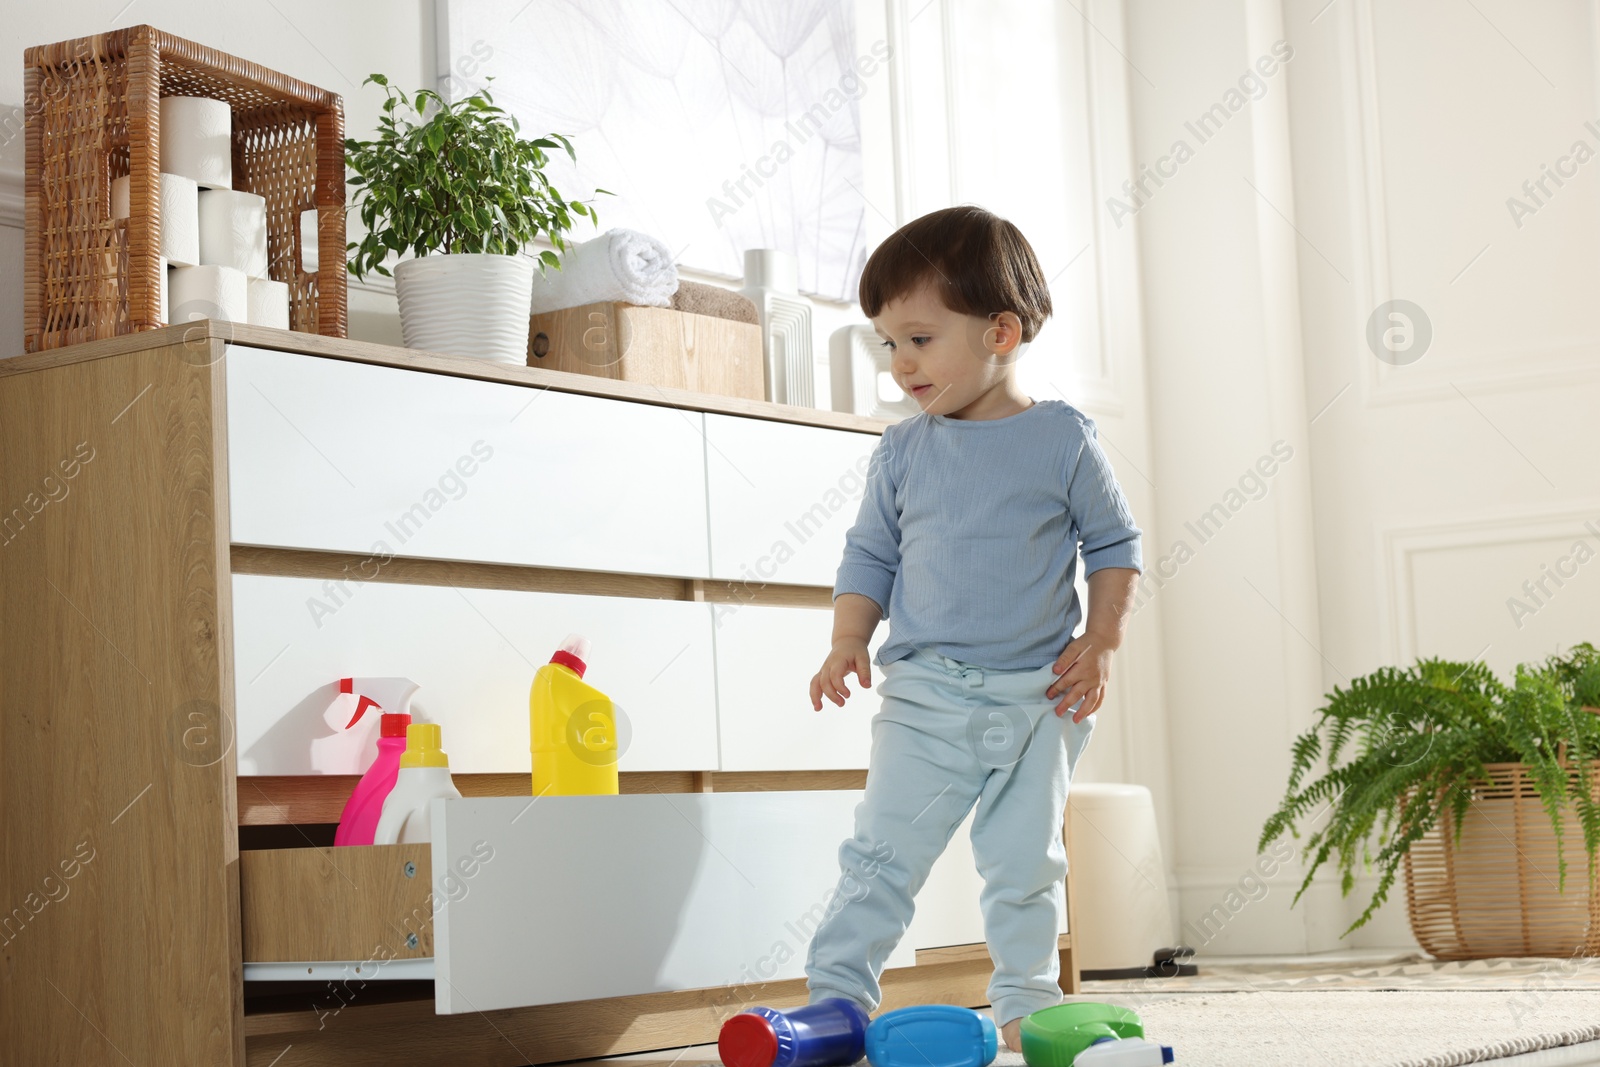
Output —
<point x="829" y="1033"/>
<point x="932" y="1035"/>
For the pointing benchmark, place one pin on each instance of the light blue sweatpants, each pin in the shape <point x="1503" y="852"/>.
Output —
<point x="949" y="735"/>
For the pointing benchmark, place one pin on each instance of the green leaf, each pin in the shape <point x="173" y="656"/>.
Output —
<point x="437" y="176"/>
<point x="1402" y="751"/>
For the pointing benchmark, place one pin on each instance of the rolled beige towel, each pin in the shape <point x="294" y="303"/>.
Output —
<point x="699" y="299"/>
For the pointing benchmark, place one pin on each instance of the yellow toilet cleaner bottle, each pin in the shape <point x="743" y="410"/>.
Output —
<point x="572" y="727"/>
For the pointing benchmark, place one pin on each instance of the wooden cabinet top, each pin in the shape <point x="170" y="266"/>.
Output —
<point x="209" y="338"/>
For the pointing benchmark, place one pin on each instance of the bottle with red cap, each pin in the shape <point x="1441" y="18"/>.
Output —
<point x="572" y="727"/>
<point x="359" y="819"/>
<point x="829" y="1033"/>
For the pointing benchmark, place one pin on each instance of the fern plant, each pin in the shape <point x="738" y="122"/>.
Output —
<point x="1401" y="749"/>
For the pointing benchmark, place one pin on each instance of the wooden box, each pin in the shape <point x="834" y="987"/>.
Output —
<point x="652" y="346"/>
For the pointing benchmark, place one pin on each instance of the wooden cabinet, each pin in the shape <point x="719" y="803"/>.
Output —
<point x="212" y="522"/>
<point x="781" y="498"/>
<point x="700" y="890"/>
<point x="766" y="657"/>
<point x="474" y="653"/>
<point x="947" y="908"/>
<point x="341" y="456"/>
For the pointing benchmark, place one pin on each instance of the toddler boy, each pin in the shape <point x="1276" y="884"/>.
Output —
<point x="967" y="540"/>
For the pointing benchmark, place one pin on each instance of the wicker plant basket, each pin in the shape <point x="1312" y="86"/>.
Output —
<point x="1494" y="892"/>
<point x="93" y="114"/>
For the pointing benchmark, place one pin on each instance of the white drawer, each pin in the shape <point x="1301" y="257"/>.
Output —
<point x="766" y="657"/>
<point x="947" y="906"/>
<point x="656" y="892"/>
<point x="474" y="652"/>
<point x="343" y="456"/>
<point x="781" y="498"/>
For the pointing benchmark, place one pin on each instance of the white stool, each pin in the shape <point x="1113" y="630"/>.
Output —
<point x="1119" y="884"/>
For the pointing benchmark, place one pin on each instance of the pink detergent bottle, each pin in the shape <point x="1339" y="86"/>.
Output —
<point x="359" y="820"/>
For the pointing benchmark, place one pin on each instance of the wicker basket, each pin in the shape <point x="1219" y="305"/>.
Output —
<point x="93" y="114"/>
<point x="1493" y="892"/>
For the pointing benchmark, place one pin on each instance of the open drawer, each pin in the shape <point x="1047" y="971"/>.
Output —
<point x="358" y="912"/>
<point x="583" y="897"/>
<point x="633" y="894"/>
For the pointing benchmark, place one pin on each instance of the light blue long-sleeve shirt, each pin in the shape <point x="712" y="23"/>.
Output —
<point x="968" y="534"/>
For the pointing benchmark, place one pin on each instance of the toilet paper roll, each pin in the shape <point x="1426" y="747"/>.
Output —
<point x="180" y="220"/>
<point x="208" y="292"/>
<point x="233" y="230"/>
<point x="269" y="303"/>
<point x="180" y="215"/>
<point x="197" y="139"/>
<point x="308" y="241"/>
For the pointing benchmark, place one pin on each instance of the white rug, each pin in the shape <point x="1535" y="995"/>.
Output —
<point x="1400" y="970"/>
<point x="1398" y="1009"/>
<point x="1356" y="1028"/>
<point x="1343" y="1028"/>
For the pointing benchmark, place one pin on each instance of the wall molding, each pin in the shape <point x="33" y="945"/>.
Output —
<point x="898" y="27"/>
<point x="1399" y="545"/>
<point x="952" y="94"/>
<point x="1102" y="392"/>
<point x="1540" y="366"/>
<point x="1214" y="877"/>
<point x="12" y="198"/>
<point x="1549" y="366"/>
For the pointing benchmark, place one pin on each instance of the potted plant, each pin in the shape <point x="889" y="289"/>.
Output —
<point x="464" y="194"/>
<point x="1474" y="787"/>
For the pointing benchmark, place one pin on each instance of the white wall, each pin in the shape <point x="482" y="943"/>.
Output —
<point x="1239" y="602"/>
<point x="1420" y="497"/>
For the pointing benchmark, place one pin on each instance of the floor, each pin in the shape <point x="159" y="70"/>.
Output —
<point x="1347" y="968"/>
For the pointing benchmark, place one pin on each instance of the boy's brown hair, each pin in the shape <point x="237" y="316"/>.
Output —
<point x="979" y="263"/>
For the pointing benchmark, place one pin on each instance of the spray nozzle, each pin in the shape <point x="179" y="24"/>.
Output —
<point x="361" y="709"/>
<point x="392" y="696"/>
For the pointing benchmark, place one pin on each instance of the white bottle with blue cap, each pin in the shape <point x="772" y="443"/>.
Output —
<point x="1124" y="1052"/>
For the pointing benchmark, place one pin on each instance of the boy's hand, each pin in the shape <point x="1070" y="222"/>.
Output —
<point x="848" y="654"/>
<point x="1086" y="662"/>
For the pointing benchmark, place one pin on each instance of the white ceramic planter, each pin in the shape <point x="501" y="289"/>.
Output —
<point x="469" y="303"/>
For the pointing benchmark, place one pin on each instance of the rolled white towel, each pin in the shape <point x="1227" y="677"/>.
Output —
<point x="622" y="266"/>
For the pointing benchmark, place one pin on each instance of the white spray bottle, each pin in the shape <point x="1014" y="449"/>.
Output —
<point x="392" y="698"/>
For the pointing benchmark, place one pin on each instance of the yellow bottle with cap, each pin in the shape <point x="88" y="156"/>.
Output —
<point x="424" y="775"/>
<point x="572" y="727"/>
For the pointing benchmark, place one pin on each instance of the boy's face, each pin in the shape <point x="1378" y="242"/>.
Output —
<point x="944" y="359"/>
